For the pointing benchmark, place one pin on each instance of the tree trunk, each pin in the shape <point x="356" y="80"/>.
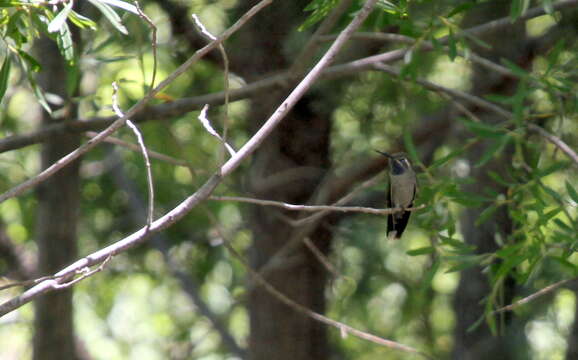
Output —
<point x="58" y="203"/>
<point x="287" y="167"/>
<point x="474" y="285"/>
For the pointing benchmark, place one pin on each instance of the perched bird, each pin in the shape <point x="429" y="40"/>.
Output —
<point x="401" y="193"/>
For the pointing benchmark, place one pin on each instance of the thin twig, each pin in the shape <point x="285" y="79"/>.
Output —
<point x="342" y="201"/>
<point x="343" y="328"/>
<point x="299" y="91"/>
<point x="209" y="186"/>
<point x="308" y="51"/>
<point x="150" y="23"/>
<point x="84" y="274"/>
<point x="556" y="141"/>
<point x="534" y="296"/>
<point x="304" y="227"/>
<point x="184" y="105"/>
<point x="315" y="208"/>
<point x="207" y="125"/>
<point x="161" y="243"/>
<point x="322" y="258"/>
<point x="207" y="34"/>
<point x="140" y="141"/>
<point x="26" y="282"/>
<point x="152" y="154"/>
<point x="428" y="46"/>
<point x="118" y="123"/>
<point x="476" y="100"/>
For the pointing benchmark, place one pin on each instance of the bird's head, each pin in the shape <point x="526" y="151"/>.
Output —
<point x="398" y="162"/>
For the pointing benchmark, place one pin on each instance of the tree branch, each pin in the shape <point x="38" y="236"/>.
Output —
<point x="184" y="105"/>
<point x="208" y="187"/>
<point x="118" y="123"/>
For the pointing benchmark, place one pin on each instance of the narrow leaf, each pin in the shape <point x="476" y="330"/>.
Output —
<point x="452" y="47"/>
<point x="483" y="130"/>
<point x="493" y="149"/>
<point x="81" y="21"/>
<point x="65" y="44"/>
<point x="421" y="251"/>
<point x="123" y="5"/>
<point x="572" y="192"/>
<point x="110" y="14"/>
<point x="486" y="214"/>
<point x="409" y="145"/>
<point x="4" y="75"/>
<point x="30" y="61"/>
<point x="60" y="19"/>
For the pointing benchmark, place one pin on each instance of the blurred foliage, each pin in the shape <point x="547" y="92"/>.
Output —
<point x="401" y="290"/>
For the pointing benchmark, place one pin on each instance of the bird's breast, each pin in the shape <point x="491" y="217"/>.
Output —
<point x="402" y="190"/>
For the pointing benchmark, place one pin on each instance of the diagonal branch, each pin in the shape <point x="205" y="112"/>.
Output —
<point x="184" y="105"/>
<point x="118" y="123"/>
<point x="206" y="189"/>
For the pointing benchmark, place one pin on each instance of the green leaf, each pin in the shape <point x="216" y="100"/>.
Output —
<point x="441" y="161"/>
<point x="561" y="165"/>
<point x="486" y="214"/>
<point x="319" y="9"/>
<point x="518" y="8"/>
<point x="548" y="6"/>
<point x="39" y="95"/>
<point x="572" y="192"/>
<point x="123" y="5"/>
<point x="12" y="3"/>
<point x="33" y="64"/>
<point x="82" y="21"/>
<point x="461" y="8"/>
<point x="427" y="279"/>
<point x="421" y="251"/>
<point x="409" y="145"/>
<point x="464" y="261"/>
<point x="456" y="246"/>
<point x="452" y="46"/>
<point x="563" y="225"/>
<point x="4" y="76"/>
<point x="495" y="147"/>
<point x="72" y="78"/>
<point x="483" y="130"/>
<point x="518" y="71"/>
<point x="110" y="14"/>
<point x="499" y="179"/>
<point x="59" y="20"/>
<point x="65" y="44"/>
<point x="548" y="216"/>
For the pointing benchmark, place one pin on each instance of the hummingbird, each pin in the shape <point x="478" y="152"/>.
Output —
<point x="401" y="192"/>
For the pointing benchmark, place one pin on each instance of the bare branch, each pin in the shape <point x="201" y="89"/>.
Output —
<point x="185" y="105"/>
<point x="208" y="187"/>
<point x="315" y="208"/>
<point x="201" y="28"/>
<point x="343" y="328"/>
<point x="161" y="243"/>
<point x="476" y="100"/>
<point x="140" y="141"/>
<point x="150" y="23"/>
<point x="308" y="51"/>
<point x="151" y="153"/>
<point x="298" y="92"/>
<point x="64" y="161"/>
<point x="556" y="141"/>
<point x="537" y="294"/>
<point x="207" y="125"/>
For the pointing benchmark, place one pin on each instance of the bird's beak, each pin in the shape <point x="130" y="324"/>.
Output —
<point x="384" y="154"/>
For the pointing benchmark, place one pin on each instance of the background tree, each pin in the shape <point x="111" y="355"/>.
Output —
<point x="481" y="95"/>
